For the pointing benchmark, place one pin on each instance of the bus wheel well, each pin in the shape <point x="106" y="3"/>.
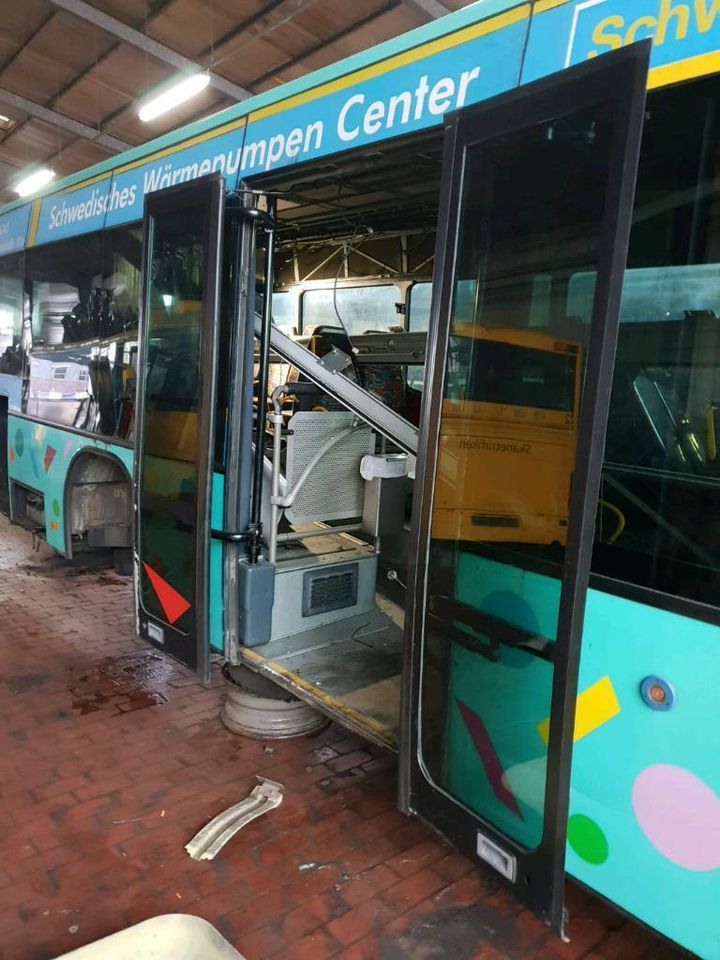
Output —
<point x="98" y="503"/>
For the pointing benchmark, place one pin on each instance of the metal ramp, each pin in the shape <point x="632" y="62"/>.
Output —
<point x="390" y="424"/>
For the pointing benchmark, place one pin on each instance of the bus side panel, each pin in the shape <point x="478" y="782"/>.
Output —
<point x="39" y="457"/>
<point x="644" y="827"/>
<point x="684" y="35"/>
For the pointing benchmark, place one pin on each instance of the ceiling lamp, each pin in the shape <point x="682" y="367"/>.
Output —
<point x="34" y="181"/>
<point x="173" y="96"/>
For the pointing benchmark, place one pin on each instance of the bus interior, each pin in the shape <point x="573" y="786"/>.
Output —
<point x="352" y="286"/>
<point x="354" y="250"/>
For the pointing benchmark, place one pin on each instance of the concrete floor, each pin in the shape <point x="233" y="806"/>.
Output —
<point x="112" y="757"/>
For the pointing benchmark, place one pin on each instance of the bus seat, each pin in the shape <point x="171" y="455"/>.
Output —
<point x="386" y="382"/>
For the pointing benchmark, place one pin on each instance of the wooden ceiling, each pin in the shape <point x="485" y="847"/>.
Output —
<point x="71" y="71"/>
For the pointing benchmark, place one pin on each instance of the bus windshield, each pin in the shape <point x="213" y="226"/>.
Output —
<point x="491" y="371"/>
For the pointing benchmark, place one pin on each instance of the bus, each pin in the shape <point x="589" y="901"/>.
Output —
<point x="235" y="355"/>
<point x="511" y="405"/>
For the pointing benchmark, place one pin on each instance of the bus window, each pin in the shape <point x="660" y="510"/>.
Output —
<point x="484" y="370"/>
<point x="659" y="519"/>
<point x="418" y="309"/>
<point x="63" y="281"/>
<point x="283" y="310"/>
<point x="418" y="319"/>
<point x="358" y="309"/>
<point x="12" y="270"/>
<point x="118" y="287"/>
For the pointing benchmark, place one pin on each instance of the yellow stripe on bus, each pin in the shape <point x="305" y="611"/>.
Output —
<point x="596" y="705"/>
<point x="542" y="5"/>
<point x="447" y="42"/>
<point x="34" y="220"/>
<point x="184" y="144"/>
<point x="689" y="69"/>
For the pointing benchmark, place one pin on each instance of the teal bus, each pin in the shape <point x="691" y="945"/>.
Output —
<point x="399" y="386"/>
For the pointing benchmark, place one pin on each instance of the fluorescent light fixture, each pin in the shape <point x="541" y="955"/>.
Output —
<point x="4" y="119"/>
<point x="34" y="181"/>
<point x="173" y="96"/>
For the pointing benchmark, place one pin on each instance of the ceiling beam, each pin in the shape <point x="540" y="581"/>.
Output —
<point x="140" y="40"/>
<point x="62" y="121"/>
<point x="431" y="8"/>
<point x="269" y="18"/>
<point x="325" y="42"/>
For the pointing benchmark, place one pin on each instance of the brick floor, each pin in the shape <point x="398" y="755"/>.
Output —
<point x="111" y="758"/>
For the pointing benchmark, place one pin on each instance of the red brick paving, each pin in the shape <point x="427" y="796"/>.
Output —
<point x="113" y="757"/>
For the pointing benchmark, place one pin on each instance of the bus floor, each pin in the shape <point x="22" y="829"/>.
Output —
<point x="350" y="669"/>
<point x="113" y="756"/>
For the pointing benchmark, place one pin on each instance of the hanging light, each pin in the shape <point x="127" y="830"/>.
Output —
<point x="34" y="181"/>
<point x="173" y="96"/>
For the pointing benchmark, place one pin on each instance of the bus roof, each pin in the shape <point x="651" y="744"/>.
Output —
<point x="403" y="85"/>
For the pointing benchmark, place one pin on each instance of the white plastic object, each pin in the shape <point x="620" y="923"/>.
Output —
<point x="214" y="835"/>
<point x="390" y="465"/>
<point x="171" y="936"/>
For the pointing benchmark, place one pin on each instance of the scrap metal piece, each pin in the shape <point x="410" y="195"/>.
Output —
<point x="214" y="835"/>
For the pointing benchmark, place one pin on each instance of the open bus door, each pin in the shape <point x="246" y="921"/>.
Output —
<point x="490" y="682"/>
<point x="174" y="427"/>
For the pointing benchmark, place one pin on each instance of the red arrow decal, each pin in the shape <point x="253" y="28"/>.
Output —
<point x="488" y="755"/>
<point x="173" y="603"/>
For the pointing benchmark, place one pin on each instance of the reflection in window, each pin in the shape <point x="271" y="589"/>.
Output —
<point x="358" y="309"/>
<point x="82" y="290"/>
<point x="85" y="287"/>
<point x="11" y="313"/>
<point x="532" y="205"/>
<point x="484" y="369"/>
<point x="174" y="311"/>
<point x="64" y="300"/>
<point x="120" y="282"/>
<point x="89" y="387"/>
<point x="659" y="521"/>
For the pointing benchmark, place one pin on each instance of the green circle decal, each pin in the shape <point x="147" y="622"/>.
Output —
<point x="19" y="442"/>
<point x="587" y="839"/>
<point x="56" y="507"/>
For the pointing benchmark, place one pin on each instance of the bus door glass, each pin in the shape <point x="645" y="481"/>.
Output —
<point x="536" y="182"/>
<point x="176" y="400"/>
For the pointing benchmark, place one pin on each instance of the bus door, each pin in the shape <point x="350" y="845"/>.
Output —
<point x="537" y="184"/>
<point x="175" y="417"/>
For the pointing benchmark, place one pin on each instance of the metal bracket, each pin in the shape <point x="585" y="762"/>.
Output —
<point x="336" y="361"/>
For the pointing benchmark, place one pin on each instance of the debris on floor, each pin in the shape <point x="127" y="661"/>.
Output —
<point x="206" y="844"/>
<point x="341" y="874"/>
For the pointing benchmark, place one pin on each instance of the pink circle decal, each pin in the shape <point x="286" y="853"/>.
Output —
<point x="679" y="814"/>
